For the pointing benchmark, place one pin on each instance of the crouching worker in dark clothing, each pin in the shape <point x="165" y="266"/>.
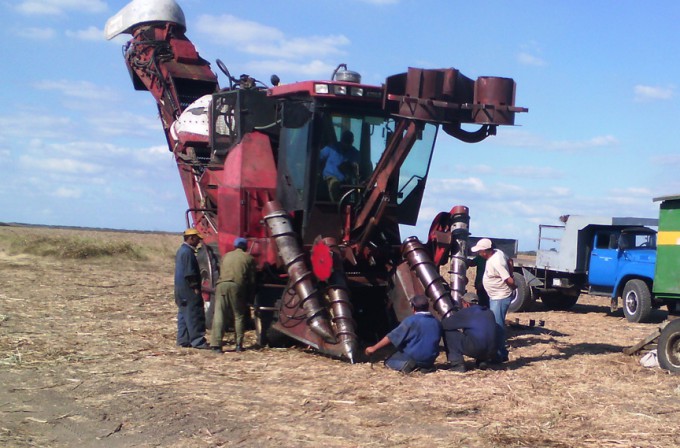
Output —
<point x="416" y="340"/>
<point x="470" y="332"/>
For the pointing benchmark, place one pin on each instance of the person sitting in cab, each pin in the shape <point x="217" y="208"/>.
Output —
<point x="340" y="162"/>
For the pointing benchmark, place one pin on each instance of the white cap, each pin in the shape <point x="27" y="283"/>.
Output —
<point x="483" y="244"/>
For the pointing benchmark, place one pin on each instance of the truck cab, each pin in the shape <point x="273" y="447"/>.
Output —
<point x="618" y="254"/>
<point x="622" y="264"/>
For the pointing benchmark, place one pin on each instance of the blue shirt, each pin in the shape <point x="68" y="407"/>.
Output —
<point x="333" y="157"/>
<point x="477" y="322"/>
<point x="418" y="336"/>
<point x="187" y="273"/>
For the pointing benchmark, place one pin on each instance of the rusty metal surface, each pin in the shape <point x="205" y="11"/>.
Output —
<point x="448" y="96"/>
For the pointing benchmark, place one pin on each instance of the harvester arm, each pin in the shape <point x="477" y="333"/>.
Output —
<point x="163" y="61"/>
<point x="443" y="97"/>
<point x="160" y="58"/>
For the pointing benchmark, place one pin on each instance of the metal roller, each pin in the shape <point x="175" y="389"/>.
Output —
<point x="460" y="224"/>
<point x="341" y="308"/>
<point x="421" y="263"/>
<point x="278" y="222"/>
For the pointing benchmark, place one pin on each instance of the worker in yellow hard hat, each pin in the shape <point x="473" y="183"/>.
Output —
<point x="190" y="311"/>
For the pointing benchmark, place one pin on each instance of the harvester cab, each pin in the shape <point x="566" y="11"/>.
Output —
<point x="317" y="175"/>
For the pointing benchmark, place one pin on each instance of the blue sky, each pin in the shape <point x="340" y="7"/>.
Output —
<point x="78" y="146"/>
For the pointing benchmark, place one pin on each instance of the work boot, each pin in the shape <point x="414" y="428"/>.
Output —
<point x="216" y="349"/>
<point x="409" y="366"/>
<point x="457" y="367"/>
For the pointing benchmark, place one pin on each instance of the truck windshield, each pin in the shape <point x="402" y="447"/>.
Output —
<point x="637" y="240"/>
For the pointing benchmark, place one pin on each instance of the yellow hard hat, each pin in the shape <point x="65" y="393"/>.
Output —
<point x="192" y="231"/>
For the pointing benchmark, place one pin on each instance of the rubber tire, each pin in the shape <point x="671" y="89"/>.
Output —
<point x="668" y="347"/>
<point x="208" y="263"/>
<point x="276" y="339"/>
<point x="637" y="301"/>
<point x="525" y="297"/>
<point x="559" y="302"/>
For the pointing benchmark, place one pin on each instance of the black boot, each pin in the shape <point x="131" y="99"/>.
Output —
<point x="457" y="366"/>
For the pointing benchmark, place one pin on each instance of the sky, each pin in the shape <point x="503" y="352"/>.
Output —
<point x="80" y="147"/>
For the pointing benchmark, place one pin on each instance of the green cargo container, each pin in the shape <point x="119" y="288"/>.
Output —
<point x="667" y="273"/>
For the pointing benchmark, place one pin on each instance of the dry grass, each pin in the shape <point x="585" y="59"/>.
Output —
<point x="87" y="357"/>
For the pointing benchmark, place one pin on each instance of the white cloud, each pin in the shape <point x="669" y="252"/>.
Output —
<point x="125" y="123"/>
<point x="91" y="33"/>
<point x="523" y="139"/>
<point x="475" y="169"/>
<point x="262" y="40"/>
<point x="637" y="192"/>
<point x="310" y="69"/>
<point x="443" y="186"/>
<point x="300" y="47"/>
<point x="523" y="171"/>
<point x="68" y="193"/>
<point x="64" y="165"/>
<point x="154" y="155"/>
<point x="575" y="145"/>
<point x="650" y="93"/>
<point x="529" y="52"/>
<point x="84" y="90"/>
<point x="231" y="30"/>
<point x="528" y="59"/>
<point x="533" y="172"/>
<point x="58" y="7"/>
<point x="37" y="125"/>
<point x="36" y="33"/>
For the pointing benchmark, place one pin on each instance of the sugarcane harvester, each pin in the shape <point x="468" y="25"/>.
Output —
<point x="333" y="272"/>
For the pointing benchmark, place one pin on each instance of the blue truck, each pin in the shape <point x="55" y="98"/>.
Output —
<point x="601" y="256"/>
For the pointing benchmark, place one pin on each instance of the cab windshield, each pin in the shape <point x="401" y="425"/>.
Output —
<point x="328" y="156"/>
<point x="355" y="162"/>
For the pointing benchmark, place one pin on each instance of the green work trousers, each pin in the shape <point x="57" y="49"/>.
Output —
<point x="229" y="300"/>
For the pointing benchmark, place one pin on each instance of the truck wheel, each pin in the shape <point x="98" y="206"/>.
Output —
<point x="524" y="298"/>
<point x="668" y="347"/>
<point x="559" y="301"/>
<point x="637" y="301"/>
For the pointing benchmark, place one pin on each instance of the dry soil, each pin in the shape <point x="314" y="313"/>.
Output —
<point x="88" y="358"/>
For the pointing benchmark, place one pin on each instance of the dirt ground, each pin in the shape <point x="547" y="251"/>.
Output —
<point x="88" y="358"/>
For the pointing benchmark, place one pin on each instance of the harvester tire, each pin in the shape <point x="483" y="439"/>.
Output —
<point x="668" y="347"/>
<point x="276" y="339"/>
<point x="525" y="296"/>
<point x="637" y="301"/>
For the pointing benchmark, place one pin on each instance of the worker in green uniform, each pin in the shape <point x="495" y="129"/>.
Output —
<point x="235" y="286"/>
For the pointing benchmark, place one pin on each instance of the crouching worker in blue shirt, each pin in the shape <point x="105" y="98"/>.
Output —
<point x="416" y="340"/>
<point x="470" y="332"/>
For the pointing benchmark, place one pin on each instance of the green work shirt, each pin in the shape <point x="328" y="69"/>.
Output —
<point x="239" y="267"/>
